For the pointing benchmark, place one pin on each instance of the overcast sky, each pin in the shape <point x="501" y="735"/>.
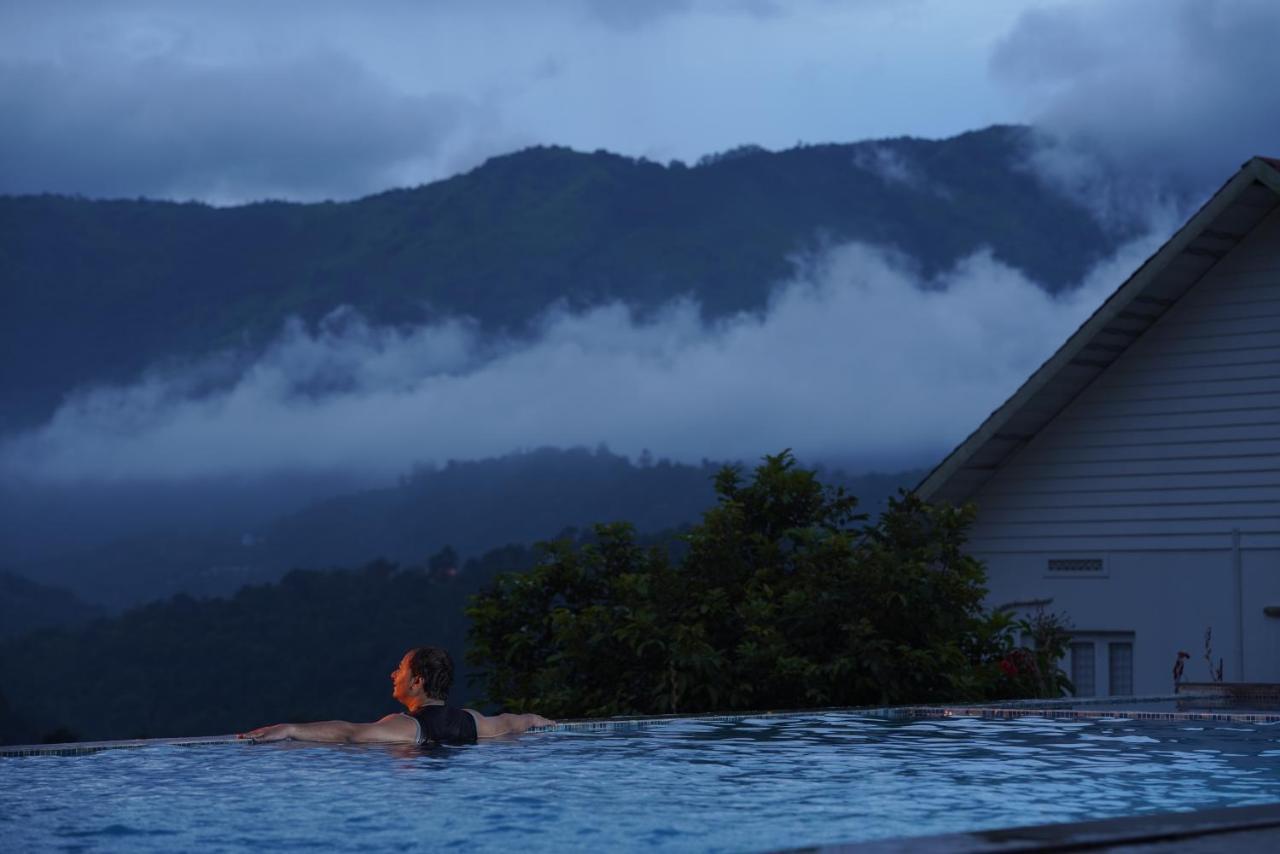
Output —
<point x="232" y="101"/>
<point x="310" y="99"/>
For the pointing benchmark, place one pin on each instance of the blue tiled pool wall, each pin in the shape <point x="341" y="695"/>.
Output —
<point x="1259" y="717"/>
<point x="1255" y="696"/>
<point x="82" y="747"/>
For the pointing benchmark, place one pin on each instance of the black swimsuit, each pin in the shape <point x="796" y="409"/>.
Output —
<point x="445" y="725"/>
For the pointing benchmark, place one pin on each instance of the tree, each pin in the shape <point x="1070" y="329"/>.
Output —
<point x="783" y="599"/>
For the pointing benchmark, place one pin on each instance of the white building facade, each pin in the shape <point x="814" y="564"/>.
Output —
<point x="1133" y="482"/>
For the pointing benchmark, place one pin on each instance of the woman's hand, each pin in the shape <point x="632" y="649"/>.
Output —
<point x="278" y="732"/>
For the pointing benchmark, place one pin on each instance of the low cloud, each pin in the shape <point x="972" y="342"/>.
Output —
<point x="893" y="167"/>
<point x="632" y="14"/>
<point x="854" y="359"/>
<point x="888" y="165"/>
<point x="1146" y="99"/>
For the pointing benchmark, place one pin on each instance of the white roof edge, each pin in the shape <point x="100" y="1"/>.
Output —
<point x="1265" y="171"/>
<point x="1256" y="169"/>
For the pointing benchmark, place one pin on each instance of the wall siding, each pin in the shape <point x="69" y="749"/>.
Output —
<point x="1181" y="435"/>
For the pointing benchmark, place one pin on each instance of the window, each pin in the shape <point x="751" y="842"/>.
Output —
<point x="1120" y="668"/>
<point x="1102" y="664"/>
<point x="1082" y="668"/>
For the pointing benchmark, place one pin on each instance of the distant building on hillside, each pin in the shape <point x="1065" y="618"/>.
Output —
<point x="1134" y="479"/>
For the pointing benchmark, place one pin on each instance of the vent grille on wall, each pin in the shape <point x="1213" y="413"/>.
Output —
<point x="1076" y="566"/>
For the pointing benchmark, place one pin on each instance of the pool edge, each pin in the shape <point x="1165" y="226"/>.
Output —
<point x="77" y="748"/>
<point x="1012" y="709"/>
<point x="1254" y="828"/>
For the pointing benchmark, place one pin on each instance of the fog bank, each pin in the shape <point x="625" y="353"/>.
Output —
<point x="856" y="358"/>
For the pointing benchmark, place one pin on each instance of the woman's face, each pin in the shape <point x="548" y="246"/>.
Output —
<point x="405" y="686"/>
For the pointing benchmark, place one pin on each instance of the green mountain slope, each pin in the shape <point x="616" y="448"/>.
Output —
<point x="471" y="507"/>
<point x="97" y="291"/>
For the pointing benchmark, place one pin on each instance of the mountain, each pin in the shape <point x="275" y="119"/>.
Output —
<point x="468" y="507"/>
<point x="26" y="606"/>
<point x="97" y="291"/>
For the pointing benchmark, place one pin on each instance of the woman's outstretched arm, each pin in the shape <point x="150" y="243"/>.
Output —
<point x="505" y="724"/>
<point x="393" y="728"/>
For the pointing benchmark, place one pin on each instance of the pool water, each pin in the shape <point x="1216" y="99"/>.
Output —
<point x="688" y="785"/>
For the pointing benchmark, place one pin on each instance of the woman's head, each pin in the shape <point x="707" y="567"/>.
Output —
<point x="434" y="667"/>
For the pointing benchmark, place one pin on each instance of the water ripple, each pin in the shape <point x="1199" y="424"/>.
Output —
<point x="679" y="786"/>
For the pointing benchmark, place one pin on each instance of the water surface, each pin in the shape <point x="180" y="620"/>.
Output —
<point x="748" y="785"/>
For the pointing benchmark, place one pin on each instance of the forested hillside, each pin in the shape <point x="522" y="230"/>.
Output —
<point x="26" y="605"/>
<point x="317" y="645"/>
<point x="470" y="506"/>
<point x="96" y="291"/>
<point x="778" y="596"/>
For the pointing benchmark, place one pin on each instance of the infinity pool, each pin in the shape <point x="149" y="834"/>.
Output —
<point x="692" y="785"/>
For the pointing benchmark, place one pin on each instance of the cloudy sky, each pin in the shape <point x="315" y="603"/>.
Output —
<point x="234" y="101"/>
<point x="311" y="99"/>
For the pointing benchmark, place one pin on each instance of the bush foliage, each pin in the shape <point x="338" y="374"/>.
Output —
<point x="785" y="597"/>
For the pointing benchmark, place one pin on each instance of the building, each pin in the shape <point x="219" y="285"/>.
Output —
<point x="1134" y="479"/>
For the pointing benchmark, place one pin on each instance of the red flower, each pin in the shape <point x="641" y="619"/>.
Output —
<point x="1008" y="668"/>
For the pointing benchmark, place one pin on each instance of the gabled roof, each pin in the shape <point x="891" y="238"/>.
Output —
<point x="1214" y="231"/>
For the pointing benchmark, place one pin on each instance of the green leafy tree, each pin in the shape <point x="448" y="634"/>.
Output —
<point x="784" y="598"/>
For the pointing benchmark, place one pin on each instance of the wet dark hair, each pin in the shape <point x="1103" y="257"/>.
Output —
<point x="435" y="668"/>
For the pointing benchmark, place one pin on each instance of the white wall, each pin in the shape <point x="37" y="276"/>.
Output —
<point x="1261" y="633"/>
<point x="1166" y="599"/>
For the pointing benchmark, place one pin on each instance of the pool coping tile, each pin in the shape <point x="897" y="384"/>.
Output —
<point x="1254" y="828"/>
<point x="77" y="748"/>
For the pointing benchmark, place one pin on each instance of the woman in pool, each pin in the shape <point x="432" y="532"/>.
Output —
<point x="421" y="683"/>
